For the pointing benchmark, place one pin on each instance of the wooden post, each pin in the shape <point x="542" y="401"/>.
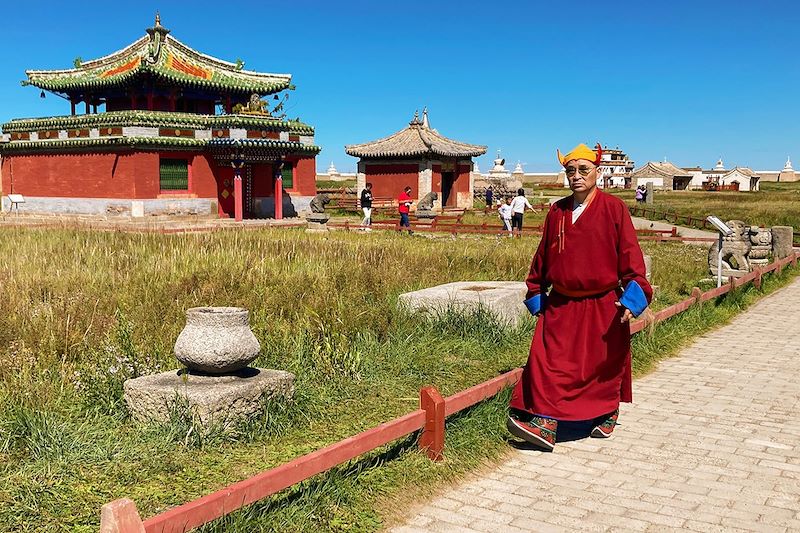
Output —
<point x="72" y="106"/>
<point x="674" y="232"/>
<point x="278" y="195"/>
<point x="120" y="516"/>
<point x="432" y="438"/>
<point x="757" y="280"/>
<point x="238" y="201"/>
<point x="697" y="294"/>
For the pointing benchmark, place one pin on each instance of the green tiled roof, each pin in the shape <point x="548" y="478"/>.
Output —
<point x="163" y="57"/>
<point x="157" y="119"/>
<point x="161" y="143"/>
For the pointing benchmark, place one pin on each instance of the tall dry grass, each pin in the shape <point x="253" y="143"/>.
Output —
<point x="82" y="311"/>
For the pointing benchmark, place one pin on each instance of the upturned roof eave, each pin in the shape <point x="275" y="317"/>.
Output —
<point x="413" y="134"/>
<point x="85" y="77"/>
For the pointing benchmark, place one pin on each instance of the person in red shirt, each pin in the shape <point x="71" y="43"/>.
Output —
<point x="579" y="367"/>
<point x="404" y="202"/>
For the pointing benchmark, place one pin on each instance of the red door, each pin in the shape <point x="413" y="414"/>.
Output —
<point x="225" y="197"/>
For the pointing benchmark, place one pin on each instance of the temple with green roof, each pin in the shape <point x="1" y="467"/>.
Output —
<point x="160" y="128"/>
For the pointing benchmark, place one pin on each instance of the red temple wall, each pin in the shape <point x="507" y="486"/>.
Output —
<point x="305" y="177"/>
<point x="101" y="175"/>
<point x="390" y="180"/>
<point x="105" y="175"/>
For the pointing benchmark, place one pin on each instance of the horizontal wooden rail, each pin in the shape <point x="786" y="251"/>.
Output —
<point x="227" y="500"/>
<point x="121" y="516"/>
<point x="460" y="401"/>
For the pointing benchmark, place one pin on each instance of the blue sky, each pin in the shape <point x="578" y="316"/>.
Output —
<point x="692" y="81"/>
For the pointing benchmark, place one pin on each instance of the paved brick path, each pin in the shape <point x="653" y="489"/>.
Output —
<point x="712" y="443"/>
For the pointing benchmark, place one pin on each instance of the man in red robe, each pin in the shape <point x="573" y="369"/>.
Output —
<point x="579" y="366"/>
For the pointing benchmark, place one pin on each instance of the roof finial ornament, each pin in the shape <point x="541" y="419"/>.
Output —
<point x="415" y="121"/>
<point x="425" y="123"/>
<point x="158" y="34"/>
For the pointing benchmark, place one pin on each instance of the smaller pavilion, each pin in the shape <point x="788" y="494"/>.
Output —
<point x="420" y="157"/>
<point x="665" y="176"/>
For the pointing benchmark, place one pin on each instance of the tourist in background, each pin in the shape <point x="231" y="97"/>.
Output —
<point x="489" y="197"/>
<point x="518" y="206"/>
<point x="404" y="202"/>
<point x="366" y="205"/>
<point x="579" y="367"/>
<point x="639" y="194"/>
<point x="505" y="215"/>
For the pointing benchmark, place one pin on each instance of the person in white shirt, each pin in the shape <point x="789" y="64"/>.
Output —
<point x="505" y="215"/>
<point x="518" y="206"/>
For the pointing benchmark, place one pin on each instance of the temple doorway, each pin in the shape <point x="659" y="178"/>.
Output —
<point x="447" y="188"/>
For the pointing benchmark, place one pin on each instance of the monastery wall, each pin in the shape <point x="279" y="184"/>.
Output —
<point x="389" y="180"/>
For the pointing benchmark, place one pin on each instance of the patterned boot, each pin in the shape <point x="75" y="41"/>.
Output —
<point x="540" y="431"/>
<point x="606" y="427"/>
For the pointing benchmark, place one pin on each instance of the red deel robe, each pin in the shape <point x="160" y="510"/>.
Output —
<point x="579" y="365"/>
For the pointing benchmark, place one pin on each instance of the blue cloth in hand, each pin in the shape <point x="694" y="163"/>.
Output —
<point x="634" y="299"/>
<point x="534" y="304"/>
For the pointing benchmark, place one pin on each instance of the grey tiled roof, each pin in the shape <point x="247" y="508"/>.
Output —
<point x="417" y="139"/>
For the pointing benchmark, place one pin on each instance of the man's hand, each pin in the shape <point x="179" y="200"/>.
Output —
<point x="626" y="316"/>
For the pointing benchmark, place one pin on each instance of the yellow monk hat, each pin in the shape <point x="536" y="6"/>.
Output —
<point x="581" y="152"/>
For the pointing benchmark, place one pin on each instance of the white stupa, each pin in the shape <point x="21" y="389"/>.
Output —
<point x="788" y="173"/>
<point x="499" y="172"/>
<point x="719" y="167"/>
<point x="332" y="170"/>
<point x="518" y="169"/>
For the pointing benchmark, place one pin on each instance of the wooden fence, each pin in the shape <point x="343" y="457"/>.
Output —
<point x="456" y="227"/>
<point x="121" y="516"/>
<point x="696" y="221"/>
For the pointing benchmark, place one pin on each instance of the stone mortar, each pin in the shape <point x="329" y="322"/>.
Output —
<point x="217" y="340"/>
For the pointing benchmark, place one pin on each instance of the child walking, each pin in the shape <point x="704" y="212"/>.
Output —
<point x="505" y="215"/>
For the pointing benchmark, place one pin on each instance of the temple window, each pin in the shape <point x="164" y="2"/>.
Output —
<point x="174" y="174"/>
<point x="288" y="175"/>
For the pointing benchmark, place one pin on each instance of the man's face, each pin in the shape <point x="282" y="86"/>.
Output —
<point x="581" y="174"/>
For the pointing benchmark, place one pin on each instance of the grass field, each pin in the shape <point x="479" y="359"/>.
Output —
<point x="82" y="311"/>
<point x="777" y="204"/>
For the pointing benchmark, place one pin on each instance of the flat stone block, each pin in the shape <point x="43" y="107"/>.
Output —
<point x="503" y="298"/>
<point x="213" y="398"/>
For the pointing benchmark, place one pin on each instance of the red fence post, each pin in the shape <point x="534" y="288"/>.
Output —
<point x="674" y="232"/>
<point x="120" y="516"/>
<point x="697" y="294"/>
<point x="432" y="438"/>
<point x="757" y="279"/>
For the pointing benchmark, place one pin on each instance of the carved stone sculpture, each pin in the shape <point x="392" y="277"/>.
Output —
<point x="426" y="204"/>
<point x="781" y="241"/>
<point x="319" y="202"/>
<point x="734" y="249"/>
<point x="761" y="240"/>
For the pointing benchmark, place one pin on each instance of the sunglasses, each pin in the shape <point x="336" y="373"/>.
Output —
<point x="582" y="170"/>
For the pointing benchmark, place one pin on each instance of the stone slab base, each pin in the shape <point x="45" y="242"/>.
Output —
<point x="503" y="298"/>
<point x="214" y="399"/>
<point x="729" y="273"/>
<point x="112" y="206"/>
